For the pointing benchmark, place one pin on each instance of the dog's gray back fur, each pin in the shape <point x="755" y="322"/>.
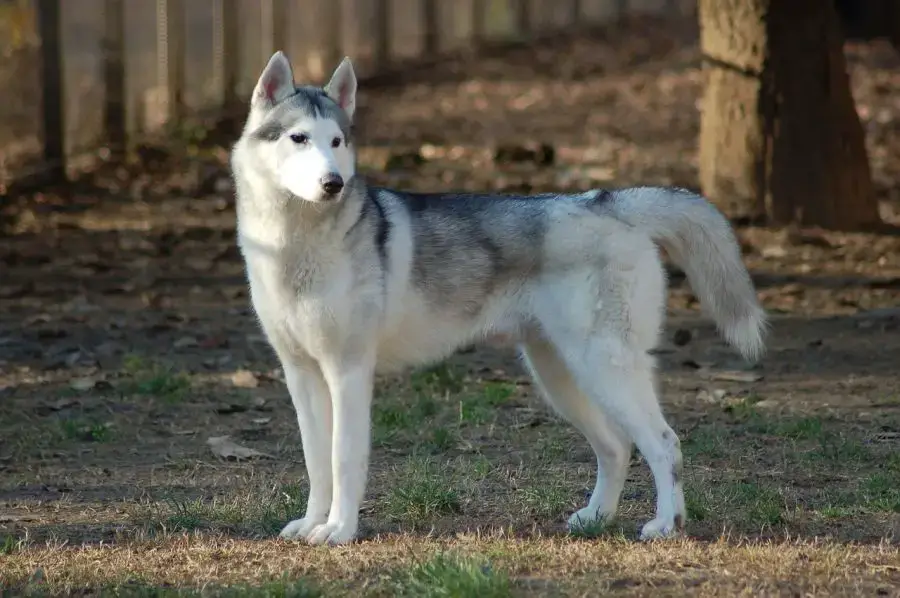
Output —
<point x="468" y="246"/>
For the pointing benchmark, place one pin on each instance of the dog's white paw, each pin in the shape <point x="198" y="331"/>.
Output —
<point x="298" y="529"/>
<point x="332" y="533"/>
<point x="586" y="519"/>
<point x="661" y="528"/>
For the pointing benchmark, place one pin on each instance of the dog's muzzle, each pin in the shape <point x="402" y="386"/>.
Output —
<point x="332" y="184"/>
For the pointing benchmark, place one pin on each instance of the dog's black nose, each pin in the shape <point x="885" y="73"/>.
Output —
<point x="332" y="183"/>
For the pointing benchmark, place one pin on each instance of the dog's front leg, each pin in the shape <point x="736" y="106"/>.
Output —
<point x="350" y="382"/>
<point x="312" y="401"/>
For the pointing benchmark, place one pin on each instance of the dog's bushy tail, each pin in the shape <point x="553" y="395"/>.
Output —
<point x="700" y="240"/>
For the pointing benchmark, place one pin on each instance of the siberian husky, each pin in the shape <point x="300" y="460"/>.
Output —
<point x="349" y="280"/>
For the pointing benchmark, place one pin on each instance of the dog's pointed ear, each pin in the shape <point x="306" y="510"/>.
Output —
<point x="275" y="84"/>
<point x="342" y="87"/>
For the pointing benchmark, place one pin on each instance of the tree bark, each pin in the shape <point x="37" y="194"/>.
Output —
<point x="779" y="136"/>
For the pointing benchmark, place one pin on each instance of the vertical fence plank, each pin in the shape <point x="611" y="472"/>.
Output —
<point x="431" y="41"/>
<point x="381" y="51"/>
<point x="574" y="19"/>
<point x="170" y="50"/>
<point x="52" y="88"/>
<point x="280" y="21"/>
<point x="114" y="123"/>
<point x="274" y="14"/>
<point x="333" y="46"/>
<point x="227" y="49"/>
<point x="478" y="10"/>
<point x="523" y="18"/>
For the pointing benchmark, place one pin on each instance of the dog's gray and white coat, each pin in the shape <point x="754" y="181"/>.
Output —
<point x="349" y="280"/>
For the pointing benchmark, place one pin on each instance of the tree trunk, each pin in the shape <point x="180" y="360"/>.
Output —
<point x="779" y="136"/>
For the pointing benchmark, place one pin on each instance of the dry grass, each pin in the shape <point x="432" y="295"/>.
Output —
<point x="722" y="567"/>
<point x="479" y="516"/>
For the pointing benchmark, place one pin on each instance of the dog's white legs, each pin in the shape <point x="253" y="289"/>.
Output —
<point x="620" y="379"/>
<point x="312" y="401"/>
<point x="611" y="446"/>
<point x="351" y="396"/>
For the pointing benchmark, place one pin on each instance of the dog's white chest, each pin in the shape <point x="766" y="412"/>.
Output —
<point x="302" y="312"/>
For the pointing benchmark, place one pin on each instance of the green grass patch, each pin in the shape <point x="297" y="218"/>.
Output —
<point x="10" y="545"/>
<point x="707" y="441"/>
<point x="877" y="493"/>
<point x="836" y="449"/>
<point x="422" y="494"/>
<point x="803" y="428"/>
<point x="449" y="576"/>
<point x="481" y="407"/>
<point x="837" y="511"/>
<point x="85" y="430"/>
<point x="545" y="498"/>
<point x="757" y="505"/>
<point x="550" y="448"/>
<point x="594" y="528"/>
<point x="407" y="418"/>
<point x="882" y="492"/>
<point x="747" y="504"/>
<point x="440" y="440"/>
<point x="744" y="409"/>
<point x="254" y="514"/>
<point x="698" y="505"/>
<point x="440" y="379"/>
<point x="153" y="379"/>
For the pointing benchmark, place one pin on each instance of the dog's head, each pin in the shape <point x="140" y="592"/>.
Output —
<point x="301" y="134"/>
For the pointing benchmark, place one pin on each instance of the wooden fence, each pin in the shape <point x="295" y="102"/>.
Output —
<point x="85" y="78"/>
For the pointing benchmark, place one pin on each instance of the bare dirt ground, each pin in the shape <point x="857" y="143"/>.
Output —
<point x="127" y="342"/>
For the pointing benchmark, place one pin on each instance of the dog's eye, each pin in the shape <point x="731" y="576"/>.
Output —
<point x="336" y="142"/>
<point x="300" y="138"/>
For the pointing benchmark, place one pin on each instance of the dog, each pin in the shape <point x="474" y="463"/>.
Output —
<point x="349" y="280"/>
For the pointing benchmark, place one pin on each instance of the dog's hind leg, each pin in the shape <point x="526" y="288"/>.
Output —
<point x="620" y="379"/>
<point x="611" y="446"/>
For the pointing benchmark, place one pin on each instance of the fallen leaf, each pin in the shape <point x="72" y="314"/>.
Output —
<point x="697" y="365"/>
<point x="61" y="404"/>
<point x="199" y="263"/>
<point x="733" y="376"/>
<point x="774" y="252"/>
<point x="83" y="384"/>
<point x="73" y="358"/>
<point x="244" y="379"/>
<point x="711" y="396"/>
<point x="225" y="448"/>
<point x="185" y="342"/>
